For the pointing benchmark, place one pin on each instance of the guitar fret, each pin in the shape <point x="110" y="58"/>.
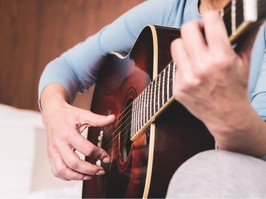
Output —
<point x="132" y="118"/>
<point x="141" y="110"/>
<point x="233" y="17"/>
<point x="159" y="92"/>
<point x="135" y="121"/>
<point x="138" y="113"/>
<point x="154" y="96"/>
<point x="168" y="82"/>
<point x="173" y="76"/>
<point x="163" y="87"/>
<point x="151" y="101"/>
<point x="155" y="93"/>
<point x="135" y="118"/>
<point x="145" y="105"/>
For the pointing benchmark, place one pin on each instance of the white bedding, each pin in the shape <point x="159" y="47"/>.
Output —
<point x="24" y="169"/>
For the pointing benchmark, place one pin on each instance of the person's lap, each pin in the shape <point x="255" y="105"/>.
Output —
<point x="218" y="173"/>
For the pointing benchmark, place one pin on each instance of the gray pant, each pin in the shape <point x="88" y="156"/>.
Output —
<point x="218" y="173"/>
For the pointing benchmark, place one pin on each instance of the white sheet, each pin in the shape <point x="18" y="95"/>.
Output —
<point x="19" y="130"/>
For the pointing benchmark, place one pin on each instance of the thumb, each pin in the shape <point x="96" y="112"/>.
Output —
<point x="92" y="119"/>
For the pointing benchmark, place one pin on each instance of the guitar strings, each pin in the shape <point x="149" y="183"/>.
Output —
<point x="128" y="110"/>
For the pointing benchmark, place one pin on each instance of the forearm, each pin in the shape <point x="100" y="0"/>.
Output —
<point x="53" y="95"/>
<point x="245" y="134"/>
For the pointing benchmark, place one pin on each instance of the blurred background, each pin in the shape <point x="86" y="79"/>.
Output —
<point x="32" y="33"/>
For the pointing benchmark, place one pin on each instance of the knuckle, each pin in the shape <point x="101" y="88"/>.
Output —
<point x="204" y="70"/>
<point x="92" y="150"/>
<point x="74" y="165"/>
<point x="59" y="172"/>
<point x="190" y="84"/>
<point x="222" y="61"/>
<point x="201" y="74"/>
<point x="66" y="135"/>
<point x="88" y="152"/>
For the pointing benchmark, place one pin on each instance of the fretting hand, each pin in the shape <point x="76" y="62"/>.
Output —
<point x="212" y="82"/>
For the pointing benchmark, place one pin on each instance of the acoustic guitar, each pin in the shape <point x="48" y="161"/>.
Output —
<point x="153" y="134"/>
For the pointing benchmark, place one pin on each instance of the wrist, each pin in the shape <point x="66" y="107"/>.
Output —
<point x="52" y="96"/>
<point x="246" y="135"/>
<point x="240" y="131"/>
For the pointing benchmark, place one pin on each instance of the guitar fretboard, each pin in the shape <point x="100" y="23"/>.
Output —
<point x="152" y="100"/>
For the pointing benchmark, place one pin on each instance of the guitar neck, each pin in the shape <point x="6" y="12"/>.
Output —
<point x="153" y="100"/>
<point x="238" y="16"/>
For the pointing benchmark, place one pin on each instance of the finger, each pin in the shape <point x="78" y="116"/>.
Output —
<point x="84" y="146"/>
<point x="57" y="165"/>
<point x="180" y="57"/>
<point x="215" y="31"/>
<point x="74" y="163"/>
<point x="93" y="119"/>
<point x="194" y="42"/>
<point x="62" y="171"/>
<point x="68" y="174"/>
<point x="184" y="72"/>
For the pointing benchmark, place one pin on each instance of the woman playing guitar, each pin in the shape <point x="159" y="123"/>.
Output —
<point x="220" y="81"/>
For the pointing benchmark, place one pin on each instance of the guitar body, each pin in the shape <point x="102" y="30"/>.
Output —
<point x="142" y="167"/>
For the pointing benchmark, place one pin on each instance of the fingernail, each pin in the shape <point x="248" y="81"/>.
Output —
<point x="106" y="160"/>
<point x="87" y="178"/>
<point x="101" y="172"/>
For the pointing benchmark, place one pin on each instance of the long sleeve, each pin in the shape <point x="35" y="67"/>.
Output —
<point x="257" y="83"/>
<point x="77" y="68"/>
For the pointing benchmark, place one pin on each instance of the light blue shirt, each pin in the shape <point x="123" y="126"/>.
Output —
<point x="77" y="68"/>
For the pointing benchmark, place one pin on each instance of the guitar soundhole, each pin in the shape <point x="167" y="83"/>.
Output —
<point x="125" y="142"/>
